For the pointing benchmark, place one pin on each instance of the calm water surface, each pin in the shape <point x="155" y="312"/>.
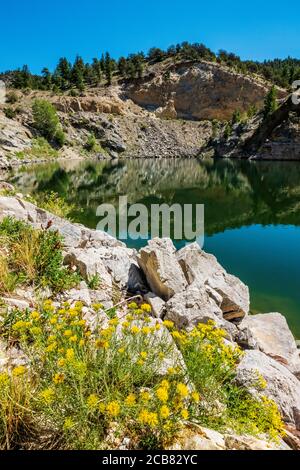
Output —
<point x="252" y="212"/>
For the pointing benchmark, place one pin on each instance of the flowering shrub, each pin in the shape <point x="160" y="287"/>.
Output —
<point x="32" y="257"/>
<point x="79" y="384"/>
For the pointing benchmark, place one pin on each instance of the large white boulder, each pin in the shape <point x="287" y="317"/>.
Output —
<point x="269" y="332"/>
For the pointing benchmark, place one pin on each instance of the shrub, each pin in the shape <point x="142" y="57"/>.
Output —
<point x="34" y="257"/>
<point x="55" y="204"/>
<point x="92" y="144"/>
<point x="9" y="112"/>
<point x="40" y="148"/>
<point x="11" y="97"/>
<point x="46" y="121"/>
<point x="84" y="383"/>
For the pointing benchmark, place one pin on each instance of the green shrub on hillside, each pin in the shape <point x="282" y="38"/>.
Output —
<point x="46" y="121"/>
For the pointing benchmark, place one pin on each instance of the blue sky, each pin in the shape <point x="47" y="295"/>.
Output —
<point x="39" y="32"/>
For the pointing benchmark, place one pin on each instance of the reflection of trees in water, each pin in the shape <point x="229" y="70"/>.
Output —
<point x="235" y="193"/>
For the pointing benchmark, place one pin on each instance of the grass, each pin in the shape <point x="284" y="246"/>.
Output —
<point x="82" y="384"/>
<point x="30" y="257"/>
<point x="55" y="204"/>
<point x="40" y="149"/>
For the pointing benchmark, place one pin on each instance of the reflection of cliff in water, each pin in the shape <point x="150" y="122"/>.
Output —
<point x="235" y="193"/>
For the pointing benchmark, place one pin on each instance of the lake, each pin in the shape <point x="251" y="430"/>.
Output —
<point x="252" y="212"/>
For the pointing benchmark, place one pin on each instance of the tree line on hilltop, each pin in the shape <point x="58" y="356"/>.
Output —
<point x="77" y="75"/>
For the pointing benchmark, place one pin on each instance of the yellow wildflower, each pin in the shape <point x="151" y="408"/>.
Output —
<point x="61" y="362"/>
<point x="145" y="396"/>
<point x="148" y="418"/>
<point x="113" y="408"/>
<point x="157" y="326"/>
<point x="51" y="347"/>
<point x="184" y="413"/>
<point x="47" y="395"/>
<point x="195" y="396"/>
<point x="165" y="384"/>
<point x="81" y="342"/>
<point x="125" y="325"/>
<point x="4" y="378"/>
<point x="53" y="321"/>
<point x="162" y="394"/>
<point x="73" y="339"/>
<point x="58" y="378"/>
<point x="113" y="322"/>
<point x="164" y="412"/>
<point x="97" y="306"/>
<point x="161" y="355"/>
<point x="135" y="329"/>
<point x="35" y="315"/>
<point x="146" y="308"/>
<point x="121" y="350"/>
<point x="70" y="354"/>
<point x="36" y="330"/>
<point x="146" y="330"/>
<point x="144" y="355"/>
<point x="140" y="362"/>
<point x="101" y="344"/>
<point x="88" y="333"/>
<point x="130" y="400"/>
<point x="19" y="370"/>
<point x="132" y="305"/>
<point x="68" y="424"/>
<point x="168" y="324"/>
<point x="92" y="401"/>
<point x="182" y="390"/>
<point x="68" y="333"/>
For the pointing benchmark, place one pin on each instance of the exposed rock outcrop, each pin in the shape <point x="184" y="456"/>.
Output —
<point x="225" y="289"/>
<point x="269" y="332"/>
<point x="162" y="271"/>
<point x="281" y="385"/>
<point x="203" y="90"/>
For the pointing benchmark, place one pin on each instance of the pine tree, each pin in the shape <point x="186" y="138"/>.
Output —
<point x="62" y="73"/>
<point x="77" y="75"/>
<point x="96" y="70"/>
<point x="108" y="68"/>
<point x="122" y="64"/>
<point x="270" y="102"/>
<point x="47" y="78"/>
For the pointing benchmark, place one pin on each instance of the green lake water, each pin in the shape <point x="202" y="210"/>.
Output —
<point x="252" y="212"/>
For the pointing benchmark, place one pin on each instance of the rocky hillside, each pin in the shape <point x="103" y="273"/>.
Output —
<point x="167" y="113"/>
<point x="193" y="356"/>
<point x="275" y="137"/>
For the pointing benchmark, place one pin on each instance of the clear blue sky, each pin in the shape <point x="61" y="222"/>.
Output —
<point x="39" y="32"/>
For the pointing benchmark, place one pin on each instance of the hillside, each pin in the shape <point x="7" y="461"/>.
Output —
<point x="170" y="111"/>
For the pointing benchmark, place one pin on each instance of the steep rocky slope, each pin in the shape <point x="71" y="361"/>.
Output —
<point x="167" y="113"/>
<point x="201" y="90"/>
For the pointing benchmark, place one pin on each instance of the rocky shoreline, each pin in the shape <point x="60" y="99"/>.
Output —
<point x="186" y="287"/>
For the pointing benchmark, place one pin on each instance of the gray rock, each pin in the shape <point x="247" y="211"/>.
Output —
<point x="194" y="305"/>
<point x="225" y="289"/>
<point x="282" y="386"/>
<point x="163" y="273"/>
<point x="269" y="332"/>
<point x="81" y="294"/>
<point x="157" y="304"/>
<point x="244" y="442"/>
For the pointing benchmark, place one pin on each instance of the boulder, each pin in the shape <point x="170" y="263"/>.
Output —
<point x="282" y="386"/>
<point x="194" y="305"/>
<point x="89" y="263"/>
<point x="157" y="304"/>
<point x="244" y="442"/>
<point x="269" y="332"/>
<point x="225" y="289"/>
<point x="161" y="268"/>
